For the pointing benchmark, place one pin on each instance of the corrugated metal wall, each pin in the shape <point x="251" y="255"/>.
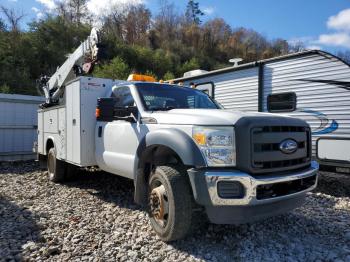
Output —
<point x="319" y="103"/>
<point x="18" y="126"/>
<point x="235" y="90"/>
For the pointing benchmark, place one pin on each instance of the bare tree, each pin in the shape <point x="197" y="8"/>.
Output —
<point x="114" y="22"/>
<point x="166" y="25"/>
<point x="13" y="18"/>
<point x="216" y="32"/>
<point x="297" y="47"/>
<point x="137" y="23"/>
<point x="78" y="10"/>
<point x="167" y="17"/>
<point x="129" y="23"/>
<point x="73" y="11"/>
<point x="280" y="46"/>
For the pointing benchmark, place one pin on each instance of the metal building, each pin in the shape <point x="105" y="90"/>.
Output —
<point x="18" y="126"/>
<point x="312" y="85"/>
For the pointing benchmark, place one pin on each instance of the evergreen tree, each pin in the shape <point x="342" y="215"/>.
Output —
<point x="193" y="13"/>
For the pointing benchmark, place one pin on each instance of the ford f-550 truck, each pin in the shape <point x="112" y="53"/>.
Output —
<point x="183" y="151"/>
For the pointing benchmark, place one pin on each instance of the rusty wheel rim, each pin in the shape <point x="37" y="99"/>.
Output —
<point x="159" y="204"/>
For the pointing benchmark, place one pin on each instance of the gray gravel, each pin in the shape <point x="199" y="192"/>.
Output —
<point x="95" y="219"/>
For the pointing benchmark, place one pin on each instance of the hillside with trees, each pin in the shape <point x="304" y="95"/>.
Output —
<point x="165" y="44"/>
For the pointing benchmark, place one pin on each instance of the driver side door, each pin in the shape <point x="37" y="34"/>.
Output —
<point x="119" y="138"/>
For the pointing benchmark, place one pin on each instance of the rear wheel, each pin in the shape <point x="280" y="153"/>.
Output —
<point x="55" y="167"/>
<point x="170" y="203"/>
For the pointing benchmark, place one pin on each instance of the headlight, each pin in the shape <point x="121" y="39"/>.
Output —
<point x="217" y="144"/>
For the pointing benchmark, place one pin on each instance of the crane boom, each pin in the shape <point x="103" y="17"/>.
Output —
<point x="81" y="60"/>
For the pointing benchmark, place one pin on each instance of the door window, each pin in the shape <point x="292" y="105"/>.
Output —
<point x="123" y="97"/>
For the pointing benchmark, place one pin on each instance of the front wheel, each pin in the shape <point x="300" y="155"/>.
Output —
<point x="170" y="203"/>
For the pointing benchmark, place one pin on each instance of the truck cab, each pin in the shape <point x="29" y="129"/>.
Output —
<point x="185" y="153"/>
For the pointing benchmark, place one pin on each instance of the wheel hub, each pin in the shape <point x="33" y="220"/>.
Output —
<point x="157" y="203"/>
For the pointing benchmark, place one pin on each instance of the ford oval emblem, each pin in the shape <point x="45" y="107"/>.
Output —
<point x="288" y="146"/>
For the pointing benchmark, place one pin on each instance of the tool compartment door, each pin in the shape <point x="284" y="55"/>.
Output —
<point x="81" y="101"/>
<point x="73" y="122"/>
<point x="61" y="141"/>
<point x="90" y="90"/>
<point x="41" y="147"/>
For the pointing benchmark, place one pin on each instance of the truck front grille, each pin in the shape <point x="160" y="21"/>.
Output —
<point x="266" y="154"/>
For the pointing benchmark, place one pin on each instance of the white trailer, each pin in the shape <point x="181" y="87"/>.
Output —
<point x="312" y="85"/>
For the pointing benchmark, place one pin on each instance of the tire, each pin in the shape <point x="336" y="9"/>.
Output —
<point x="56" y="168"/>
<point x="170" y="185"/>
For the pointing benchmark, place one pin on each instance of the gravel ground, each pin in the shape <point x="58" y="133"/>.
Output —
<point x="94" y="219"/>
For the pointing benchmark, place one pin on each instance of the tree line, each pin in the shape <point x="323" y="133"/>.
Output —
<point x="165" y="44"/>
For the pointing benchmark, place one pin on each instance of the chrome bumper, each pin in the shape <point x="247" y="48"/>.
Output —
<point x="251" y="183"/>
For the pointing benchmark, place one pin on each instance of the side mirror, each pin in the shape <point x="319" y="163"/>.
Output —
<point x="106" y="111"/>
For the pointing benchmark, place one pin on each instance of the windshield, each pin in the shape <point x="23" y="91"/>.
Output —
<point x="157" y="97"/>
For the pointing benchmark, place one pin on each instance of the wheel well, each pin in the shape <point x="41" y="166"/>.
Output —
<point x="153" y="156"/>
<point x="157" y="156"/>
<point x="49" y="145"/>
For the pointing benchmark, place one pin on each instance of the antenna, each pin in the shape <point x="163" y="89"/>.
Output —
<point x="235" y="61"/>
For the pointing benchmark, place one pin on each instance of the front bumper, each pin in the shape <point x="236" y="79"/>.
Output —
<point x="204" y="185"/>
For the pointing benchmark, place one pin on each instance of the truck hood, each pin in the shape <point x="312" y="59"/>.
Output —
<point x="211" y="117"/>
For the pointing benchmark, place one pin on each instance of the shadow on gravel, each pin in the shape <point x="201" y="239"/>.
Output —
<point x="334" y="184"/>
<point x="18" y="167"/>
<point x="17" y="228"/>
<point x="108" y="187"/>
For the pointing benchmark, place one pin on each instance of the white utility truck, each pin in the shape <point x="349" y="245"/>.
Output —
<point x="184" y="152"/>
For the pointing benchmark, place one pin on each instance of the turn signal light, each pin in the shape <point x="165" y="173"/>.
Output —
<point x="200" y="138"/>
<point x="97" y="113"/>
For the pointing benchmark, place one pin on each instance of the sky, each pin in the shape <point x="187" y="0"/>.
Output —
<point x="320" y="24"/>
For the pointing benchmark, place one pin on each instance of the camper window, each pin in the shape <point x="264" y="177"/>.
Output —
<point x="281" y="102"/>
<point x="207" y="87"/>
